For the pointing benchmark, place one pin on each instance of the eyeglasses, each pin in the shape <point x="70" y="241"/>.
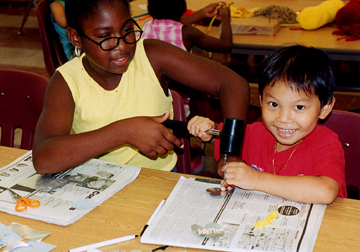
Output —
<point x="109" y="44"/>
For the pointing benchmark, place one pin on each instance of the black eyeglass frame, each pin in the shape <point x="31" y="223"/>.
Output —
<point x="118" y="38"/>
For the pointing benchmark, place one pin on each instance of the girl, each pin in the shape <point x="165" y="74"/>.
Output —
<point x="115" y="95"/>
<point x="169" y="25"/>
<point x="58" y="19"/>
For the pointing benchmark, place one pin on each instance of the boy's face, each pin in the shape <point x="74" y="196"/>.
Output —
<point x="290" y="115"/>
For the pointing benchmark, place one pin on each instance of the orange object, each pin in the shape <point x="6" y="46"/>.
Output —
<point x="22" y="203"/>
<point x="188" y="12"/>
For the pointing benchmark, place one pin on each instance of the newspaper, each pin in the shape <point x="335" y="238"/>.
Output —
<point x="64" y="197"/>
<point x="295" y="228"/>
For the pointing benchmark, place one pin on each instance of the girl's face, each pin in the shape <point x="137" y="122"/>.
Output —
<point x="111" y="20"/>
<point x="290" y="115"/>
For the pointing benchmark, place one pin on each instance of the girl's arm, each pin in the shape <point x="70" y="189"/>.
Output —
<point x="192" y="36"/>
<point x="206" y="12"/>
<point x="306" y="189"/>
<point x="55" y="149"/>
<point x="201" y="74"/>
<point x="58" y="13"/>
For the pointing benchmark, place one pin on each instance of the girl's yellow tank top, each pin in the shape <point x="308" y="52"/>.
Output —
<point x="139" y="93"/>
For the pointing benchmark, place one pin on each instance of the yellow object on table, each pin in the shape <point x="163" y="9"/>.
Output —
<point x="241" y="12"/>
<point x="315" y="17"/>
<point x="263" y="223"/>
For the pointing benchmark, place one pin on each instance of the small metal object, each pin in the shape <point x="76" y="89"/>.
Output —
<point x="213" y="132"/>
<point x="211" y="230"/>
<point x="216" y="191"/>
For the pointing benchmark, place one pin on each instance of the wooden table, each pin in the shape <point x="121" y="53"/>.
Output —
<point x="127" y="212"/>
<point x="321" y="38"/>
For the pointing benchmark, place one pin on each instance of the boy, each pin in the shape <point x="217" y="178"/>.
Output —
<point x="288" y="154"/>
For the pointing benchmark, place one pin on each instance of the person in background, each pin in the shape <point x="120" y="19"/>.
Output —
<point x="58" y="18"/>
<point x="115" y="95"/>
<point x="168" y="24"/>
<point x="288" y="154"/>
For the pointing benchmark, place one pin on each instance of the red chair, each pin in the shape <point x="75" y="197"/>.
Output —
<point x="184" y="159"/>
<point x="21" y="100"/>
<point x="347" y="126"/>
<point x="54" y="55"/>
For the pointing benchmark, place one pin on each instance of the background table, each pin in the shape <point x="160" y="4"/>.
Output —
<point x="127" y="212"/>
<point x="321" y="38"/>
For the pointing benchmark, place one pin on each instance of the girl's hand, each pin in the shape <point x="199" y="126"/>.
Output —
<point x="150" y="136"/>
<point x="223" y="12"/>
<point x="198" y="125"/>
<point x="241" y="175"/>
<point x="210" y="10"/>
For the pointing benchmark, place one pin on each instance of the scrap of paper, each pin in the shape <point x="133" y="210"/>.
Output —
<point x="14" y="244"/>
<point x="13" y="241"/>
<point x="28" y="233"/>
<point x="6" y="234"/>
<point x="34" y="246"/>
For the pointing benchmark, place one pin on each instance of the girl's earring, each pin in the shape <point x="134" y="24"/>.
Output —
<point x="77" y="51"/>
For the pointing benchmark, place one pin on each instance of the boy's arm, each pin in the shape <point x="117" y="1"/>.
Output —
<point x="58" y="13"/>
<point x="198" y="125"/>
<point x="306" y="189"/>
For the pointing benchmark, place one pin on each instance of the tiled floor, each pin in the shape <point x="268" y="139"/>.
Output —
<point x="20" y="51"/>
<point x="24" y="52"/>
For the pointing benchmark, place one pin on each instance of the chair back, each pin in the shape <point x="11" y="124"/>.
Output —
<point x="184" y="159"/>
<point x="347" y="125"/>
<point x="21" y="101"/>
<point x="54" y="55"/>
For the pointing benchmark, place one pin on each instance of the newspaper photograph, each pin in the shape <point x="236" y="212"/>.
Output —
<point x="66" y="196"/>
<point x="295" y="227"/>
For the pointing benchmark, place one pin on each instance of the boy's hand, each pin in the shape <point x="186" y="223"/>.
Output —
<point x="241" y="175"/>
<point x="150" y="136"/>
<point x="221" y="164"/>
<point x="198" y="125"/>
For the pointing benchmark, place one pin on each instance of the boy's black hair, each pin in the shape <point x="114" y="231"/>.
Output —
<point x="78" y="10"/>
<point x="303" y="68"/>
<point x="167" y="9"/>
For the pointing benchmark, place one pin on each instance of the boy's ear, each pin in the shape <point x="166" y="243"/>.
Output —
<point x="73" y="37"/>
<point x="260" y="98"/>
<point x="325" y="111"/>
